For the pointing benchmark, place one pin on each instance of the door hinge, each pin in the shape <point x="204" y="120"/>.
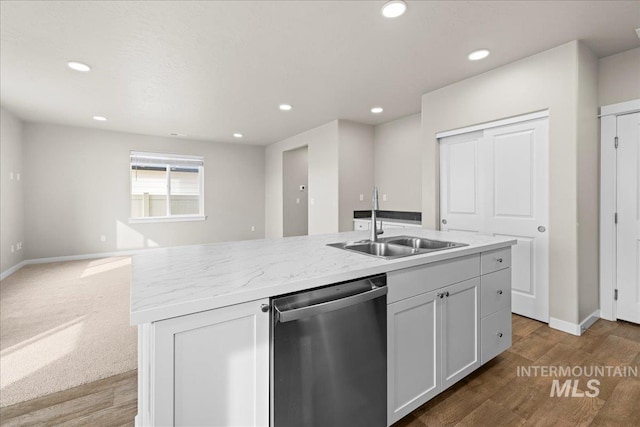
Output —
<point x="615" y="218"/>
<point x="615" y="295"/>
<point x="615" y="142"/>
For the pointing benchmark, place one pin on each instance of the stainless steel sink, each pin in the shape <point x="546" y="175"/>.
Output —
<point x="396" y="247"/>
<point x="422" y="243"/>
<point x="377" y="249"/>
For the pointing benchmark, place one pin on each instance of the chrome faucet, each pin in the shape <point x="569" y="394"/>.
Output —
<point x="374" y="222"/>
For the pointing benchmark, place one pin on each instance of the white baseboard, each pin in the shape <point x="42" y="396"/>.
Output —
<point x="564" y="326"/>
<point x="9" y="271"/>
<point x="17" y="267"/>
<point x="86" y="256"/>
<point x="590" y="320"/>
<point x="574" y="328"/>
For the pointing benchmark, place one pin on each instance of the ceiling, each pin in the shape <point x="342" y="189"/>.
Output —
<point x="209" y="69"/>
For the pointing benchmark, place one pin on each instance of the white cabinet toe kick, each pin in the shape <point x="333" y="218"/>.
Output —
<point x="444" y="320"/>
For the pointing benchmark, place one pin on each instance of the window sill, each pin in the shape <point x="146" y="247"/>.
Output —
<point x="177" y="218"/>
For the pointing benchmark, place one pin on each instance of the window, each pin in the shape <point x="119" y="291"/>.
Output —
<point x="166" y="187"/>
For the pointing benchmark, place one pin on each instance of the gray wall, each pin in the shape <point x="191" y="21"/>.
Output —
<point x="398" y="166"/>
<point x="619" y="77"/>
<point x="78" y="190"/>
<point x="588" y="163"/>
<point x="355" y="170"/>
<point x="323" y="180"/>
<point x="295" y="210"/>
<point x="548" y="80"/>
<point x="11" y="190"/>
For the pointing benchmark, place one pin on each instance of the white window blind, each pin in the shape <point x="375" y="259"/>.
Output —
<point x="158" y="159"/>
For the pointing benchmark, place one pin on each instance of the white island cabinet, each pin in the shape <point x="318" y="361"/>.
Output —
<point x="203" y="319"/>
<point x="443" y="321"/>
<point x="210" y="368"/>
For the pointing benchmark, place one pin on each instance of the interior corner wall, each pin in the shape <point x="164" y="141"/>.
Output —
<point x="323" y="180"/>
<point x="398" y="171"/>
<point x="588" y="162"/>
<point x="11" y="190"/>
<point x="77" y="189"/>
<point x="355" y="172"/>
<point x="619" y="77"/>
<point x="547" y="80"/>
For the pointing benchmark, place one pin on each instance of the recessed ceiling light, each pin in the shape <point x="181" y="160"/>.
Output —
<point x="394" y="8"/>
<point x="377" y="110"/>
<point x="285" y="107"/>
<point x="100" y="118"/>
<point x="478" y="54"/>
<point x="78" y="66"/>
<point x="237" y="135"/>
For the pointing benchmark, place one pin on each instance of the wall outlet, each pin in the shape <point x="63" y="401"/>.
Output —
<point x="13" y="249"/>
<point x="103" y="238"/>
<point x="253" y="228"/>
<point x="384" y="197"/>
<point x="11" y="176"/>
<point x="18" y="176"/>
<point x="362" y="197"/>
<point x="19" y="246"/>
<point x="297" y="200"/>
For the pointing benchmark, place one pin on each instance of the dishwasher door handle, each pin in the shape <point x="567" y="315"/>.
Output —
<point x="313" y="310"/>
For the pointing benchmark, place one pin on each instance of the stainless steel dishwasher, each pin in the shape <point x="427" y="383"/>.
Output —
<point x="329" y="356"/>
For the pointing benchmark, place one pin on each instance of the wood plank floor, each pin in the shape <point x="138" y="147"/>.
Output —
<point x="494" y="395"/>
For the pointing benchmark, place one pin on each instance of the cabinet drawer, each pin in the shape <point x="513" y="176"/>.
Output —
<point x="414" y="281"/>
<point x="495" y="260"/>
<point x="495" y="334"/>
<point x="495" y="291"/>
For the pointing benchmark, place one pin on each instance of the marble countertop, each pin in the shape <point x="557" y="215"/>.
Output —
<point x="176" y="281"/>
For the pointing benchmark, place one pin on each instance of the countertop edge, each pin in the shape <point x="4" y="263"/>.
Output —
<point x="204" y="304"/>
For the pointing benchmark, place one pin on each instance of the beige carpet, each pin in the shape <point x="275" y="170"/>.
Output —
<point x="64" y="324"/>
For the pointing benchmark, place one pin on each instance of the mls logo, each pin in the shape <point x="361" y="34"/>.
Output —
<point x="570" y="389"/>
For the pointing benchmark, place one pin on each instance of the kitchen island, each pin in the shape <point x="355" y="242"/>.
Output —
<point x="202" y="314"/>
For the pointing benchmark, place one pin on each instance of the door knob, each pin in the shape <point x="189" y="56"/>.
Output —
<point x="446" y="294"/>
<point x="499" y="291"/>
<point x="499" y="334"/>
<point x="264" y="308"/>
<point x="440" y="295"/>
<point x="499" y="259"/>
<point x="542" y="229"/>
<point x="444" y="221"/>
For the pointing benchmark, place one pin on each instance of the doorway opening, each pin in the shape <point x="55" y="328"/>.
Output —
<point x="295" y="194"/>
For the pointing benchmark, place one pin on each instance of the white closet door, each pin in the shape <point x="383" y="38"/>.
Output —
<point x="517" y="199"/>
<point x="628" y="207"/>
<point x="495" y="182"/>
<point x="460" y="184"/>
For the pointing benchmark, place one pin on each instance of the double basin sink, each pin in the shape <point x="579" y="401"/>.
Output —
<point x="396" y="247"/>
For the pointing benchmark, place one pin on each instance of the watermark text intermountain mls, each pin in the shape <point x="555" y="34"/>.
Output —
<point x="571" y="387"/>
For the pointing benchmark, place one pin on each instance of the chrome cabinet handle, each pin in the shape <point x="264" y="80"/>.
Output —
<point x="499" y="291"/>
<point x="499" y="334"/>
<point x="264" y="308"/>
<point x="499" y="259"/>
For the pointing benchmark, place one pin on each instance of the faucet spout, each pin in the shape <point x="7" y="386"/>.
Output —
<point x="374" y="221"/>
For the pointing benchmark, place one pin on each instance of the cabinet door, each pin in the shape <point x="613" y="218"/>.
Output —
<point x="212" y="368"/>
<point x="460" y="321"/>
<point x="412" y="357"/>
